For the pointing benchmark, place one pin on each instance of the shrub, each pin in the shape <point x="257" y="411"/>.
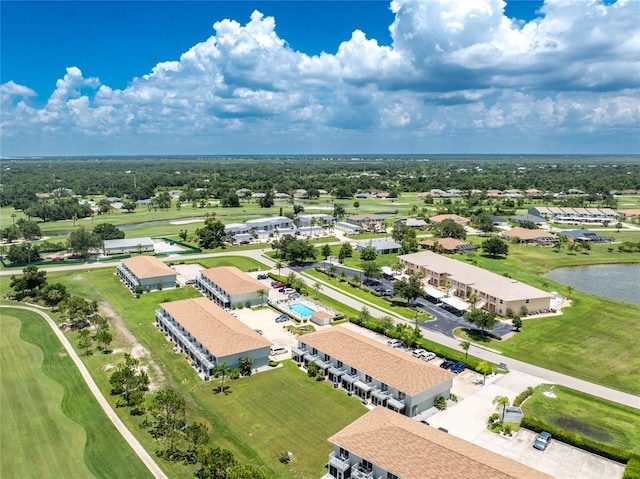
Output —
<point x="507" y="429"/>
<point x="247" y="304"/>
<point x="493" y="418"/>
<point x="524" y="395"/>
<point x="440" y="403"/>
<point x="235" y="373"/>
<point x="632" y="471"/>
<point x="589" y="445"/>
<point x="138" y="290"/>
<point x="273" y="364"/>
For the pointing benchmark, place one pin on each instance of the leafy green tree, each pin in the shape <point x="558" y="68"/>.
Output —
<point x="53" y="294"/>
<point x="230" y="201"/>
<point x="11" y="233"/>
<point x="129" y="206"/>
<point x="129" y="380"/>
<point x="485" y="320"/>
<point x="346" y="251"/>
<point x="385" y="324"/>
<point x="78" y="311"/>
<point x="267" y="200"/>
<point x="212" y="234"/>
<point x="298" y="209"/>
<point x="409" y="288"/>
<point x="517" y="323"/>
<point x="326" y="251"/>
<point x="483" y="222"/>
<point x="84" y="341"/>
<point x="23" y="253"/>
<point x="246" y="366"/>
<point x="215" y="463"/>
<point x="399" y="231"/>
<point x="368" y="253"/>
<point x="371" y="270"/>
<point x="495" y="247"/>
<point x="28" y="285"/>
<point x="409" y="243"/>
<point x="168" y="409"/>
<point x="104" y="338"/>
<point x="81" y="242"/>
<point x="107" y="231"/>
<point x="449" y="229"/>
<point x="196" y="436"/>
<point x="29" y="230"/>
<point x="294" y="250"/>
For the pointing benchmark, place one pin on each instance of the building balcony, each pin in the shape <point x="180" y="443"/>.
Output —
<point x="361" y="472"/>
<point x="339" y="462"/>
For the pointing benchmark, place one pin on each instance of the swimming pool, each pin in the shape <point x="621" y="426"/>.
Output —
<point x="301" y="309"/>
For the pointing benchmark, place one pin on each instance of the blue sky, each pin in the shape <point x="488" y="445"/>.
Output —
<point x="408" y="76"/>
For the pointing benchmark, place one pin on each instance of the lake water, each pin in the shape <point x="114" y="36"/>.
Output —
<point x="615" y="281"/>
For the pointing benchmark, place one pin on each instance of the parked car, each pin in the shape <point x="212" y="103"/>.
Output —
<point x="447" y="364"/>
<point x="259" y="331"/>
<point x="190" y="281"/>
<point x="263" y="276"/>
<point x="542" y="441"/>
<point x="371" y="282"/>
<point x="418" y="352"/>
<point x="395" y="343"/>
<point x="282" y="318"/>
<point x="278" y="285"/>
<point x="428" y="356"/>
<point x="277" y="349"/>
<point x="458" y="367"/>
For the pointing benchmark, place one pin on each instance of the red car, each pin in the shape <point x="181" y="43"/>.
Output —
<point x="278" y="285"/>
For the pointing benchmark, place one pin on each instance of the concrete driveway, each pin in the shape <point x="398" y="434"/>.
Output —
<point x="264" y="319"/>
<point x="468" y="420"/>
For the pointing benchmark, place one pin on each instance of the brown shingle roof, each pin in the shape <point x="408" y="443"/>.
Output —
<point x="412" y="450"/>
<point x="147" y="267"/>
<point x="390" y="366"/>
<point x="457" y="218"/>
<point x="232" y="280"/>
<point x="217" y="330"/>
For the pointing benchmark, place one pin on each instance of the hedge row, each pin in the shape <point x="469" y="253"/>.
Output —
<point x="589" y="445"/>
<point x="440" y="350"/>
<point x="523" y="396"/>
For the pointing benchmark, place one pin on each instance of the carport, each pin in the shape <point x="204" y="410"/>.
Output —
<point x="433" y="292"/>
<point x="456" y="304"/>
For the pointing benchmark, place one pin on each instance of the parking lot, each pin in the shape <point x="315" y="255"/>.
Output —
<point x="264" y="320"/>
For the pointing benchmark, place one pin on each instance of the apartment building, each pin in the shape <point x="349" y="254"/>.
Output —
<point x="386" y="445"/>
<point x="374" y="372"/>
<point x="494" y="292"/>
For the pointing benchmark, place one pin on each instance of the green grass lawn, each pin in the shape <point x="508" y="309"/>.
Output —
<point x="243" y="263"/>
<point x="595" y="339"/>
<point x="51" y="424"/>
<point x="262" y="415"/>
<point x="589" y="416"/>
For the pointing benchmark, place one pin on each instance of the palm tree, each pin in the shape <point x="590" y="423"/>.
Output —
<point x="569" y="291"/>
<point x="221" y="370"/>
<point x="473" y="299"/>
<point x="262" y="293"/>
<point x="465" y="345"/>
<point x="501" y="403"/>
<point x="279" y="266"/>
<point x="317" y="287"/>
<point x="484" y="368"/>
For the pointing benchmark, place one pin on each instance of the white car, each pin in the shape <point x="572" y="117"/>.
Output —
<point x="428" y="356"/>
<point x="395" y="343"/>
<point x="418" y="352"/>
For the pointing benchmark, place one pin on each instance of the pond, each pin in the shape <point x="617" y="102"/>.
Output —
<point x="615" y="281"/>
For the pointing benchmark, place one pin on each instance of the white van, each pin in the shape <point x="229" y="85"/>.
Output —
<point x="276" y="349"/>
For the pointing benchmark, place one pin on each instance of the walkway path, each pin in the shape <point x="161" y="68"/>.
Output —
<point x="357" y="303"/>
<point x="106" y="407"/>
